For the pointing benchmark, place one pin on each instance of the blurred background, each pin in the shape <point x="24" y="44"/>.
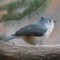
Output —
<point x="15" y="14"/>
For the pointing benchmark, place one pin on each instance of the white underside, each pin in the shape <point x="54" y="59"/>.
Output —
<point x="39" y="40"/>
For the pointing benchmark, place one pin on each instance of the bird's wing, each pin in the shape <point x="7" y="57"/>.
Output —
<point x="32" y="30"/>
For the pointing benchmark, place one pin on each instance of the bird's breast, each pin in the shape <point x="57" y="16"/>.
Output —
<point x="34" y="39"/>
<point x="48" y="32"/>
<point x="29" y="38"/>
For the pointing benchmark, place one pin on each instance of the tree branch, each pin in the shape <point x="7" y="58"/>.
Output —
<point x="31" y="52"/>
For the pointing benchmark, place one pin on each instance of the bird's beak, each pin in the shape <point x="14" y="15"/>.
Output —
<point x="54" y="21"/>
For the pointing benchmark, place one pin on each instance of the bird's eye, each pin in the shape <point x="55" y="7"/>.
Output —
<point x="49" y="20"/>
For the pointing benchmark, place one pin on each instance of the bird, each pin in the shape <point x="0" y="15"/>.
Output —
<point x="34" y="33"/>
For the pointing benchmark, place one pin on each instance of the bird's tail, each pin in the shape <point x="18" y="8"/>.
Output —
<point x="9" y="38"/>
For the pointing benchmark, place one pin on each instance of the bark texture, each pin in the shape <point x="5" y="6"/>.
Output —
<point x="31" y="52"/>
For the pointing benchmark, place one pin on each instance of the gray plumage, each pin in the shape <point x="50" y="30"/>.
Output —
<point x="37" y="29"/>
<point x="32" y="30"/>
<point x="9" y="38"/>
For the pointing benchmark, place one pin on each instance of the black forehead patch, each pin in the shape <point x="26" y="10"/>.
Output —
<point x="47" y="18"/>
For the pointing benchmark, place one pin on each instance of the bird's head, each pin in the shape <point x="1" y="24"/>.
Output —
<point x="47" y="21"/>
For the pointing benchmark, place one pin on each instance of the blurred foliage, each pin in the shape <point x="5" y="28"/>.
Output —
<point x="27" y="6"/>
<point x="12" y="6"/>
<point x="1" y="37"/>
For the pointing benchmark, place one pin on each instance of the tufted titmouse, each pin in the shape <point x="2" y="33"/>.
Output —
<point x="35" y="33"/>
